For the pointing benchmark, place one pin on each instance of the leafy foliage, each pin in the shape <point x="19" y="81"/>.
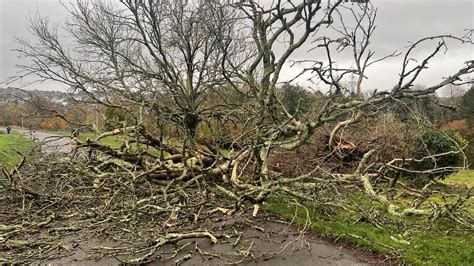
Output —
<point x="114" y="117"/>
<point x="296" y="99"/>
<point x="438" y="142"/>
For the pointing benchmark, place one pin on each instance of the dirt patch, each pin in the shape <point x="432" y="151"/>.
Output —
<point x="305" y="158"/>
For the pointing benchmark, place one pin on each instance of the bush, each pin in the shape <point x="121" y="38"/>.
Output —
<point x="436" y="142"/>
<point x="114" y="117"/>
<point x="296" y="99"/>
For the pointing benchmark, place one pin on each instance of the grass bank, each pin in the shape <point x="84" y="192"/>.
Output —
<point x="13" y="144"/>
<point x="112" y="141"/>
<point x="461" y="178"/>
<point x="116" y="142"/>
<point x="409" y="240"/>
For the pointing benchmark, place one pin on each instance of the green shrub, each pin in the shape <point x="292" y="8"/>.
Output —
<point x="296" y="99"/>
<point x="434" y="142"/>
<point x="114" y="117"/>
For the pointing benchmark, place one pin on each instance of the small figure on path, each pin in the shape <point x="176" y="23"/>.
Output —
<point x="9" y="129"/>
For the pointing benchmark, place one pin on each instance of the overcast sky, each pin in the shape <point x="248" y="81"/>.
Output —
<point x="399" y="22"/>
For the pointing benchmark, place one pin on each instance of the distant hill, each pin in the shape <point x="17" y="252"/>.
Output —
<point x="14" y="95"/>
<point x="9" y="95"/>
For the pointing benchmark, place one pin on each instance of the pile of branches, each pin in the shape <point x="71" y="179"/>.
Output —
<point x="139" y="204"/>
<point x="143" y="203"/>
<point x="52" y="203"/>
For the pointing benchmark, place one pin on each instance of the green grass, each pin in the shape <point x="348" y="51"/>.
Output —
<point x="112" y="141"/>
<point x="10" y="145"/>
<point x="465" y="177"/>
<point x="115" y="142"/>
<point x="406" y="239"/>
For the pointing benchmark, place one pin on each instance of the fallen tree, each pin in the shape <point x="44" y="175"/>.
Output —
<point x="190" y="76"/>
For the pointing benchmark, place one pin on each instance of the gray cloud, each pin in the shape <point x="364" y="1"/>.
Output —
<point x="14" y="22"/>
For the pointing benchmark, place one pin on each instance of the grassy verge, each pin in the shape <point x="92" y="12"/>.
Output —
<point x="115" y="142"/>
<point x="111" y="141"/>
<point x="11" y="144"/>
<point x="408" y="240"/>
<point x="463" y="178"/>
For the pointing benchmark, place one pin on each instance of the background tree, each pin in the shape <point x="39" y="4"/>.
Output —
<point x="296" y="99"/>
<point x="114" y="118"/>
<point x="467" y="106"/>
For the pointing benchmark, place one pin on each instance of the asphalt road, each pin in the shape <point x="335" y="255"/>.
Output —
<point x="50" y="142"/>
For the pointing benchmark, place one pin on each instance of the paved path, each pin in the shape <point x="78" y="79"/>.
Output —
<point x="50" y="142"/>
<point x="272" y="237"/>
